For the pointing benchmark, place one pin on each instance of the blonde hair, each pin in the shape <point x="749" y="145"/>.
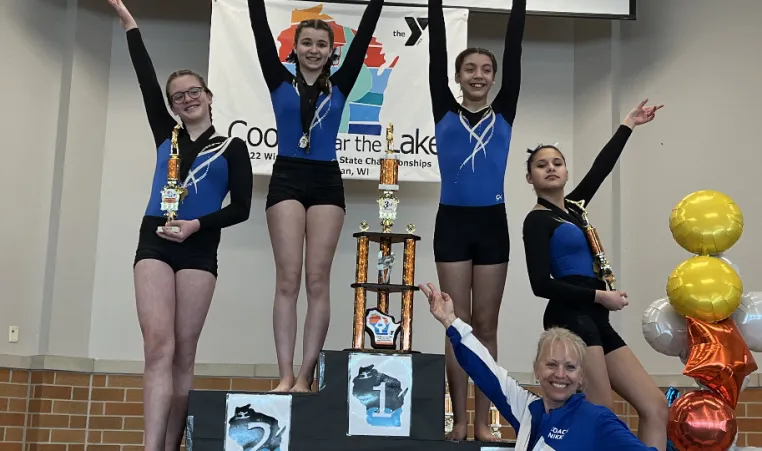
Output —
<point x="555" y="334"/>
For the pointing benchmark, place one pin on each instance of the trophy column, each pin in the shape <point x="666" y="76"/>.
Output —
<point x="408" y="278"/>
<point x="361" y="276"/>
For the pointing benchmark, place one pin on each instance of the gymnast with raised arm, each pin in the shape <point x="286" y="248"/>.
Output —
<point x="305" y="202"/>
<point x="560" y="418"/>
<point x="175" y="267"/>
<point x="563" y="269"/>
<point x="471" y="244"/>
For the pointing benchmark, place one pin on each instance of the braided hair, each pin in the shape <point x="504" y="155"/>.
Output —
<point x="322" y="83"/>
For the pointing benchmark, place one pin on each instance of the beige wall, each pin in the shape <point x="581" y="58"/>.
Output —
<point x="76" y="117"/>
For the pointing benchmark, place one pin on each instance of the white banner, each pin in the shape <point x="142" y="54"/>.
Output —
<point x="596" y="8"/>
<point x="392" y="88"/>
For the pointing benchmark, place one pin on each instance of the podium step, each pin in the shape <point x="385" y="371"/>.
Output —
<point x="365" y="402"/>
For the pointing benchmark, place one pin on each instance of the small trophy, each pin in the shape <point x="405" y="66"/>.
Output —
<point x="449" y="420"/>
<point x="495" y="425"/>
<point x="172" y="194"/>
<point x="607" y="273"/>
<point x="377" y="322"/>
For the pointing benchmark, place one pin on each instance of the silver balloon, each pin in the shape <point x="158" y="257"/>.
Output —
<point x="748" y="318"/>
<point x="665" y="329"/>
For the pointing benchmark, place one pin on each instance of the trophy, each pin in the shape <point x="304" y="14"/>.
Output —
<point x="607" y="273"/>
<point x="377" y="322"/>
<point x="449" y="421"/>
<point x="495" y="425"/>
<point x="172" y="194"/>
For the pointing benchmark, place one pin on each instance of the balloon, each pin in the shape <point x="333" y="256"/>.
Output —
<point x="706" y="222"/>
<point x="701" y="420"/>
<point x="665" y="329"/>
<point x="672" y="394"/>
<point x="722" y="257"/>
<point x="718" y="358"/>
<point x="705" y="288"/>
<point x="748" y="318"/>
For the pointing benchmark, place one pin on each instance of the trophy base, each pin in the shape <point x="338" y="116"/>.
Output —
<point x="393" y="238"/>
<point x="174" y="229"/>
<point x="381" y="351"/>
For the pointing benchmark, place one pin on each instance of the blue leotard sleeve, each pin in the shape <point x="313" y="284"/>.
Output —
<point x="510" y="398"/>
<point x="602" y="166"/>
<point x="240" y="184"/>
<point x="273" y="70"/>
<point x="344" y="78"/>
<point x="612" y="433"/>
<point x="539" y="226"/>
<point x="159" y="119"/>
<point x="507" y="99"/>
<point x="442" y="99"/>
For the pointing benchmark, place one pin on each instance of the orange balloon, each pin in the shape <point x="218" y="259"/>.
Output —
<point x="718" y="357"/>
<point x="701" y="421"/>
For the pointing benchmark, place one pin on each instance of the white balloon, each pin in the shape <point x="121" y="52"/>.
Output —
<point x="748" y="318"/>
<point x="665" y="329"/>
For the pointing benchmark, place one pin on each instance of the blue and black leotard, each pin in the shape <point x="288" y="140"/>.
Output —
<point x="211" y="167"/>
<point x="560" y="262"/>
<point x="472" y="151"/>
<point x="309" y="175"/>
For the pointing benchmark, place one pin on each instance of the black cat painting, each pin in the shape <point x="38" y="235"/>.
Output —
<point x="363" y="389"/>
<point x="255" y="431"/>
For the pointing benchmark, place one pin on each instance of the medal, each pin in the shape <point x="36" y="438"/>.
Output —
<point x="304" y="141"/>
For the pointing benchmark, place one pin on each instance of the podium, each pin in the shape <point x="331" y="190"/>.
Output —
<point x="383" y="398"/>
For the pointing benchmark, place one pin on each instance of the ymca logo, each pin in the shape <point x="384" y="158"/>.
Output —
<point x="417" y="26"/>
<point x="556" y="433"/>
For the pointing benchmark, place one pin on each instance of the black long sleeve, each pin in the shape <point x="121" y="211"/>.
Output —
<point x="442" y="99"/>
<point x="344" y="78"/>
<point x="537" y="230"/>
<point x="240" y="182"/>
<point x="159" y="119"/>
<point x="507" y="99"/>
<point x="602" y="166"/>
<point x="273" y="69"/>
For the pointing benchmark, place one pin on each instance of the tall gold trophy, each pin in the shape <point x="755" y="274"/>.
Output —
<point x="380" y="326"/>
<point x="173" y="193"/>
<point x="607" y="273"/>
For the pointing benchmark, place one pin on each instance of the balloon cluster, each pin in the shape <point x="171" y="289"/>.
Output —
<point x="708" y="322"/>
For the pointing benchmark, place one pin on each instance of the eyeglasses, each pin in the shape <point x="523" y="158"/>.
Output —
<point x="193" y="93"/>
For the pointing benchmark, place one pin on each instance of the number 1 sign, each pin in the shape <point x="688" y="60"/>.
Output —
<point x="380" y="394"/>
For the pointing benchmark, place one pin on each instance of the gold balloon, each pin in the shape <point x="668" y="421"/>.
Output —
<point x="705" y="288"/>
<point x="706" y="222"/>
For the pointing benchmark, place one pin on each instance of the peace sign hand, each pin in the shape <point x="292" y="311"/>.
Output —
<point x="641" y="114"/>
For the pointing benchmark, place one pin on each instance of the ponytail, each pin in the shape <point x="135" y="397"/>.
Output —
<point x="322" y="81"/>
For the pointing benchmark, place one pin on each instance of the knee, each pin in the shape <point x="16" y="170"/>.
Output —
<point x="185" y="351"/>
<point x="159" y="349"/>
<point x="288" y="281"/>
<point x="317" y="284"/>
<point x="485" y="328"/>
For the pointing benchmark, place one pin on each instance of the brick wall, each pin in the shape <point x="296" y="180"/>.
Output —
<point x="65" y="411"/>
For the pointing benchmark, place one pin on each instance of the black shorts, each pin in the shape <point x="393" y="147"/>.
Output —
<point x="198" y="251"/>
<point x="590" y="322"/>
<point x="309" y="182"/>
<point x="479" y="234"/>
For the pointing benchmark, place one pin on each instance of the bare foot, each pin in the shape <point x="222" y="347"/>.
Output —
<point x="484" y="434"/>
<point x="459" y="432"/>
<point x="284" y="386"/>
<point x="301" y="386"/>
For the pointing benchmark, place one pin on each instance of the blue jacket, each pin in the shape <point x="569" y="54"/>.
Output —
<point x="578" y="425"/>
